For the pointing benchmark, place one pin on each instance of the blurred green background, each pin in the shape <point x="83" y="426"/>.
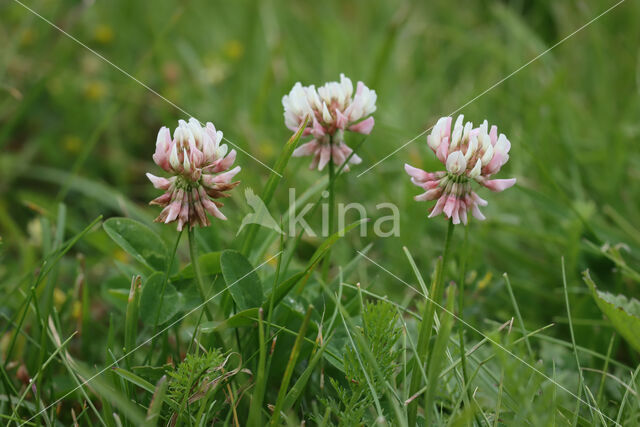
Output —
<point x="75" y="129"/>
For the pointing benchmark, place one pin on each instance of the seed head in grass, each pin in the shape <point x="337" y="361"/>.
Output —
<point x="469" y="154"/>
<point x="199" y="166"/>
<point x="332" y="108"/>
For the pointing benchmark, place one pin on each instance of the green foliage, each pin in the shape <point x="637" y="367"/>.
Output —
<point x="152" y="300"/>
<point x="193" y="380"/>
<point x="622" y="312"/>
<point x="77" y="136"/>
<point x="381" y="333"/>
<point x="243" y="282"/>
<point x="138" y="240"/>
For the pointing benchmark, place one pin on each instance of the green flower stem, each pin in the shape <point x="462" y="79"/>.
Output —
<point x="426" y="328"/>
<point x="332" y="201"/>
<point x="193" y="252"/>
<point x="463" y="273"/>
<point x="439" y="282"/>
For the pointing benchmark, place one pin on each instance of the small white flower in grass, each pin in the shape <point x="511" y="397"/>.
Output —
<point x="200" y="171"/>
<point x="469" y="155"/>
<point x="332" y="109"/>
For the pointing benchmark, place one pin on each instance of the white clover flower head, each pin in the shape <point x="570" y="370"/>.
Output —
<point x="200" y="171"/>
<point x="332" y="109"/>
<point x="469" y="154"/>
<point x="296" y="106"/>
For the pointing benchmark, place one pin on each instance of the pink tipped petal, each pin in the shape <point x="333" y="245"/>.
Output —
<point x="164" y="137"/>
<point x="449" y="206"/>
<point x="184" y="209"/>
<point x="174" y="210"/>
<point x="318" y="131"/>
<point x="479" y="200"/>
<point x="493" y="134"/>
<point x="427" y="185"/>
<point x="463" y="214"/>
<point x="161" y="200"/>
<point x="226" y="177"/>
<point x="364" y="127"/>
<point x="225" y="163"/>
<point x="499" y="184"/>
<point x="437" y="209"/>
<point x="418" y="174"/>
<point x="305" y="149"/>
<point x="447" y="127"/>
<point x="211" y="131"/>
<point x="213" y="209"/>
<point x="443" y="150"/>
<point x="496" y="163"/>
<point x="196" y="157"/>
<point x="475" y="210"/>
<point x="209" y="206"/>
<point x="163" y="149"/>
<point x="337" y="155"/>
<point x="455" y="217"/>
<point x="325" y="156"/>
<point x="429" y="195"/>
<point x="158" y="182"/>
<point x="341" y="119"/>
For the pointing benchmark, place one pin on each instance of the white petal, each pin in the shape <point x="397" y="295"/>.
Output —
<point x="488" y="155"/>
<point x="475" y="172"/>
<point x="326" y="116"/>
<point x="173" y="159"/>
<point x="471" y="149"/>
<point x="456" y="163"/>
<point x="186" y="164"/>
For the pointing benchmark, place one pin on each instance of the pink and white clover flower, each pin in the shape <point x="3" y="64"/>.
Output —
<point x="469" y="154"/>
<point x="199" y="166"/>
<point x="332" y="109"/>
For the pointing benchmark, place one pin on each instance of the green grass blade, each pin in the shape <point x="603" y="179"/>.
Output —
<point x="300" y="384"/>
<point x="295" y="352"/>
<point x="135" y="379"/>
<point x="155" y="407"/>
<point x="424" y="336"/>
<point x="438" y="353"/>
<point x="255" y="412"/>
<point x="517" y="310"/>
<point x="131" y="317"/>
